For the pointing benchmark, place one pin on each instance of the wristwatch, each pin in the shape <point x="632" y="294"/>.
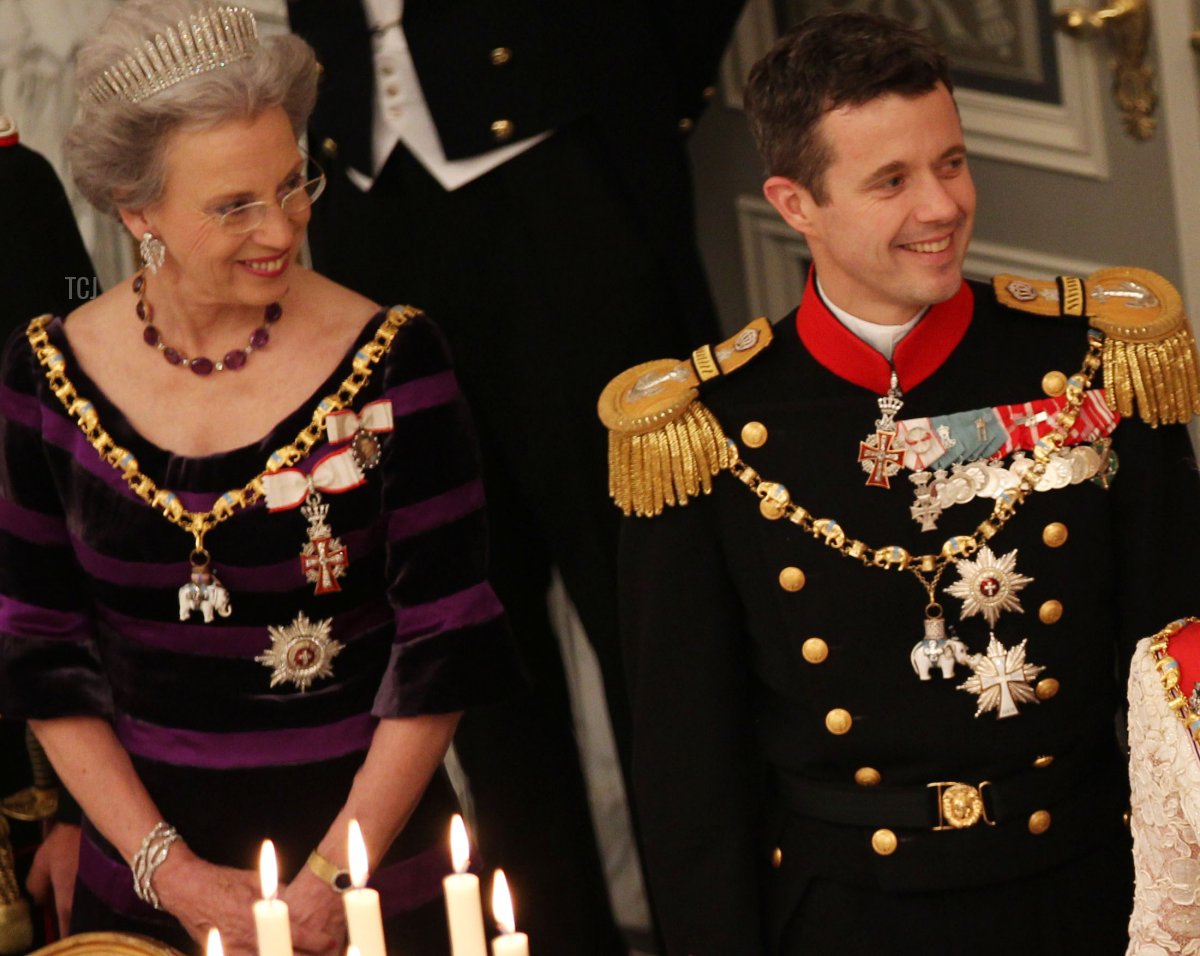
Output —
<point x="337" y="880"/>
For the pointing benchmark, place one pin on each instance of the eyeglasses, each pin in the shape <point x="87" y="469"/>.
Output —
<point x="248" y="216"/>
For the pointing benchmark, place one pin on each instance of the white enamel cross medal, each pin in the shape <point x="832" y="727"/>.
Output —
<point x="1002" y="678"/>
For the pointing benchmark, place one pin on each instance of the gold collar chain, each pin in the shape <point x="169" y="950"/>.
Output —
<point x="776" y="502"/>
<point x="1168" y="673"/>
<point x="198" y="524"/>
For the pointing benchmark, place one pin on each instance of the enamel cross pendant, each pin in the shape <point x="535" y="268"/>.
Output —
<point x="324" y="558"/>
<point x="879" y="454"/>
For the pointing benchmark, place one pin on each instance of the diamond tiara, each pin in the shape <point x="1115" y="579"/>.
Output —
<point x="206" y="41"/>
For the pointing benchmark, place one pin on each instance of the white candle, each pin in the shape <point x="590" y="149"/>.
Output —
<point x="363" y="918"/>
<point x="464" y="908"/>
<point x="214" y="947"/>
<point x="510" y="942"/>
<point x="270" y="914"/>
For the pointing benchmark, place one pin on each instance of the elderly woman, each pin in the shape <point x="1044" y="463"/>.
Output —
<point x="242" y="589"/>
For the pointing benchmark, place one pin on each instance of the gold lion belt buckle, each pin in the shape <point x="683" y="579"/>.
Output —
<point x="960" y="805"/>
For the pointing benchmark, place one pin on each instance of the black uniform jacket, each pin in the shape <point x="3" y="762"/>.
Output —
<point x="734" y="757"/>
<point x="635" y="74"/>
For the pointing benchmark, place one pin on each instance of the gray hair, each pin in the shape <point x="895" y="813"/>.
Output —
<point x="116" y="148"/>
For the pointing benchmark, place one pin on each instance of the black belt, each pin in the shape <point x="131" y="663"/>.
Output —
<point x="947" y="804"/>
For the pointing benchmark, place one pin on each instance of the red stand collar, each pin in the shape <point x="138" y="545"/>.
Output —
<point x="1184" y="646"/>
<point x="918" y="355"/>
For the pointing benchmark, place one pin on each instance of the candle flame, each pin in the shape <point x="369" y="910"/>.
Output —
<point x="268" y="871"/>
<point x="502" y="904"/>
<point x="214" y="947"/>
<point x="357" y="850"/>
<point x="460" y="846"/>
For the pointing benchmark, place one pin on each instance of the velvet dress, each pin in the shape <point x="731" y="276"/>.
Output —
<point x="90" y="622"/>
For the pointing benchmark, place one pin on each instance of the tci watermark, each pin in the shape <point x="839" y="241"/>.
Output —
<point x="82" y="287"/>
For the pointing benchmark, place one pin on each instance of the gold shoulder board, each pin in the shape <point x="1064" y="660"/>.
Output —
<point x="664" y="446"/>
<point x="1149" y="352"/>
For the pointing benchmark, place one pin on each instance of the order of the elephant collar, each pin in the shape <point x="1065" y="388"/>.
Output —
<point x="918" y="355"/>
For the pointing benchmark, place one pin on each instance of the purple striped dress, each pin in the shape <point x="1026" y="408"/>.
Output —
<point x="90" y="622"/>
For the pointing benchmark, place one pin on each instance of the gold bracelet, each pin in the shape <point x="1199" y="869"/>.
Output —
<point x="328" y="873"/>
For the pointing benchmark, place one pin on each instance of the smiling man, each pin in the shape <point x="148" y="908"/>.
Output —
<point x="880" y="577"/>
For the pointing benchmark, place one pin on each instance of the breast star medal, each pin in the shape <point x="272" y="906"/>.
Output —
<point x="879" y="453"/>
<point x="1001" y="678"/>
<point x="301" y="652"/>
<point x="988" y="585"/>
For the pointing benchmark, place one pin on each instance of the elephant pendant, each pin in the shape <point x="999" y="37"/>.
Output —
<point x="204" y="593"/>
<point x="936" y="651"/>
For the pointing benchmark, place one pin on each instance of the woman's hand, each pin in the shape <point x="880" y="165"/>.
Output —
<point x="318" y="918"/>
<point x="53" y="871"/>
<point x="202" y="895"/>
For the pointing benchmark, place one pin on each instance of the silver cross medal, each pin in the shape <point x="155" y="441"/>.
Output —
<point x="1001" y="679"/>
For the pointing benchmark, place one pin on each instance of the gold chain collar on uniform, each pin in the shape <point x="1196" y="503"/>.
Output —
<point x="776" y="502"/>
<point x="1168" y="673"/>
<point x="83" y="412"/>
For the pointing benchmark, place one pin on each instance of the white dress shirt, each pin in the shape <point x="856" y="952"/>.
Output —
<point x="882" y="338"/>
<point x="402" y="115"/>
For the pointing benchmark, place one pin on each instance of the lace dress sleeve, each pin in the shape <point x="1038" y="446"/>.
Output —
<point x="1164" y="775"/>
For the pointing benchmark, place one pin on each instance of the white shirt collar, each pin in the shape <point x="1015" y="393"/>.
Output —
<point x="882" y="338"/>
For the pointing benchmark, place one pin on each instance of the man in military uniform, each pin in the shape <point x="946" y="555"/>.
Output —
<point x="881" y="575"/>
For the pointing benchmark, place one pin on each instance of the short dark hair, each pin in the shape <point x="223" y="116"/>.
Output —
<point x="829" y="61"/>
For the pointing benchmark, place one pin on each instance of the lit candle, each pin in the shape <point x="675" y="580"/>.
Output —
<point x="352" y="950"/>
<point x="464" y="908"/>
<point x="214" y="947"/>
<point x="363" y="918"/>
<point x="271" y="914"/>
<point x="510" y="942"/>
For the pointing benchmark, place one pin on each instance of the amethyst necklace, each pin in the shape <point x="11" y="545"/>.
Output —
<point x="233" y="359"/>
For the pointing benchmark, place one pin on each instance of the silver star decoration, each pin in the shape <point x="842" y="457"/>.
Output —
<point x="989" y="585"/>
<point x="1001" y="679"/>
<point x="301" y="652"/>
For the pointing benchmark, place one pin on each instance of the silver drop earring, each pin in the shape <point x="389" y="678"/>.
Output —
<point x="152" y="252"/>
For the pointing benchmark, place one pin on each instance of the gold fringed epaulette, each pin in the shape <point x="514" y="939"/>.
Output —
<point x="1149" y="352"/>
<point x="664" y="445"/>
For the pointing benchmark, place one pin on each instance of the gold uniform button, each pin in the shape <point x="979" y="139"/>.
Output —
<point x="1039" y="822"/>
<point x="1043" y="761"/>
<point x="815" y="650"/>
<point x="686" y="124"/>
<point x="1054" y="535"/>
<point x="329" y="147"/>
<point x="777" y="858"/>
<point x="502" y="130"/>
<point x="1046" y="688"/>
<point x="1054" y="383"/>
<point x="838" y="721"/>
<point x="1050" y="612"/>
<point x="867" y="777"/>
<point x="754" y="434"/>
<point x="792" y="579"/>
<point x="500" y="56"/>
<point x="1125" y="818"/>
<point x="884" y="842"/>
<point x="709" y="92"/>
